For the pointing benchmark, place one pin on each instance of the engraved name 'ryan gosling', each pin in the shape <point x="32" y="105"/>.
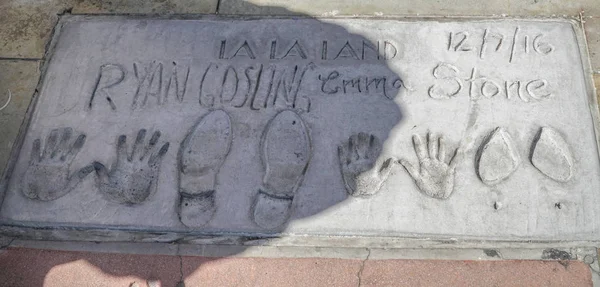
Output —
<point x="255" y="86"/>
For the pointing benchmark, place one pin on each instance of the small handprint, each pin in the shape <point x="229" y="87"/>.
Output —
<point x="47" y="176"/>
<point x="358" y="157"/>
<point x="435" y="177"/>
<point x="132" y="178"/>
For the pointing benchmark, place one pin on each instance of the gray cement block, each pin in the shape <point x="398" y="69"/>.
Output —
<point x="592" y="33"/>
<point x="154" y="130"/>
<point x="144" y="7"/>
<point x="413" y="8"/>
<point x="27" y="27"/>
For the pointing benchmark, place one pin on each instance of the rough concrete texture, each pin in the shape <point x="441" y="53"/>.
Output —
<point x="26" y="27"/>
<point x="29" y="267"/>
<point x="20" y="78"/>
<point x="470" y="273"/>
<point x="597" y="84"/>
<point x="407" y="7"/>
<point x="291" y="99"/>
<point x="144" y="7"/>
<point x="592" y="33"/>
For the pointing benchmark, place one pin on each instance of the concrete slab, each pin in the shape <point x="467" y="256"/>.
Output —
<point x="202" y="130"/>
<point x="597" y="85"/>
<point x="18" y="80"/>
<point x="144" y="7"/>
<point x="407" y="7"/>
<point x="27" y="27"/>
<point x="592" y="33"/>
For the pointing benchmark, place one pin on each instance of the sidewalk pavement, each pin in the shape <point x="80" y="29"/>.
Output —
<point x="34" y="267"/>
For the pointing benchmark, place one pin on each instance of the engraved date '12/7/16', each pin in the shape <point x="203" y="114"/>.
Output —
<point x="488" y="42"/>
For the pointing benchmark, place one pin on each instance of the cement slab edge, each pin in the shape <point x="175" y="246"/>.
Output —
<point x="105" y="234"/>
<point x="586" y="254"/>
<point x="574" y="20"/>
<point x="325" y="15"/>
<point x="588" y="71"/>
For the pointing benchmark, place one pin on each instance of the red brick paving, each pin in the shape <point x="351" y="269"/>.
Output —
<point x="475" y="273"/>
<point x="32" y="267"/>
<point x="266" y="272"/>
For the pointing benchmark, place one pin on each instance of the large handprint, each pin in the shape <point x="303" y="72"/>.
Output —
<point x="47" y="176"/>
<point x="435" y="177"/>
<point x="132" y="178"/>
<point x="358" y="156"/>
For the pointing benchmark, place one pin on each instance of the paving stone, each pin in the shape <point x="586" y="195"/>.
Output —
<point x="472" y="273"/>
<point x="597" y="84"/>
<point x="270" y="272"/>
<point x="407" y="7"/>
<point x="592" y="33"/>
<point x="27" y="27"/>
<point x="31" y="267"/>
<point x="145" y="7"/>
<point x="21" y="78"/>
<point x="146" y="123"/>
